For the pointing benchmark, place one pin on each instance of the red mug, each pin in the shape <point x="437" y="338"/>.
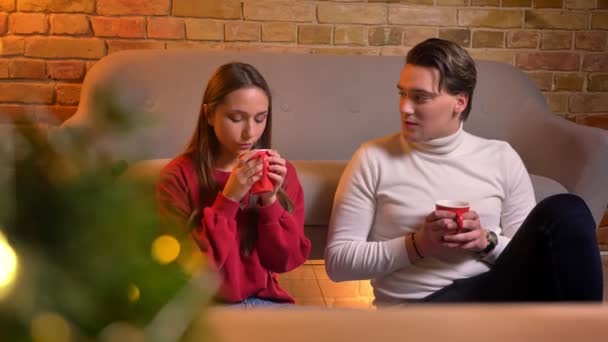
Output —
<point x="264" y="184"/>
<point x="457" y="207"/>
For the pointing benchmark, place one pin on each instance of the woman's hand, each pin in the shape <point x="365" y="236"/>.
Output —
<point x="472" y="238"/>
<point x="247" y="171"/>
<point x="277" y="170"/>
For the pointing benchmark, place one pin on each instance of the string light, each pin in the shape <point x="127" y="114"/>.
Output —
<point x="165" y="249"/>
<point x="8" y="266"/>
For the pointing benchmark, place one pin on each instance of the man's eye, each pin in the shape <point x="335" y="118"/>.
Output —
<point x="421" y="98"/>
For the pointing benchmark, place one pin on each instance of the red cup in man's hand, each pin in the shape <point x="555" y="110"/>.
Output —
<point x="457" y="207"/>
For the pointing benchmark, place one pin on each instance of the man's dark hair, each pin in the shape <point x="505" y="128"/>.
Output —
<point x="457" y="72"/>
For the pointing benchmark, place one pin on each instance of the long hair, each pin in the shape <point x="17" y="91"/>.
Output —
<point x="204" y="147"/>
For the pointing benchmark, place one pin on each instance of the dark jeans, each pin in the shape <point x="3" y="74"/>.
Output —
<point x="554" y="256"/>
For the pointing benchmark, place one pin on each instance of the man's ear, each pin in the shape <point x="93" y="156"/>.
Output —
<point x="462" y="100"/>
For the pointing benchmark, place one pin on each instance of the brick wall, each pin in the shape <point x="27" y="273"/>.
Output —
<point x="46" y="46"/>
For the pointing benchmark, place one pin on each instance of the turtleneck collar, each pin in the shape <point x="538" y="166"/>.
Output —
<point x="443" y="145"/>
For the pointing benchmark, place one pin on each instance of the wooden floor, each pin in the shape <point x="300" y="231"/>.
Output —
<point x="311" y="286"/>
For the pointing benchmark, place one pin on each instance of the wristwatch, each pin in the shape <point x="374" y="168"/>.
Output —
<point x="492" y="242"/>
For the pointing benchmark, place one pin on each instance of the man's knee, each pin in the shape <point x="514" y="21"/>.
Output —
<point x="568" y="210"/>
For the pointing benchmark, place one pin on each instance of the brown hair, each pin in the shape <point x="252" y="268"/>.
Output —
<point x="204" y="147"/>
<point x="457" y="72"/>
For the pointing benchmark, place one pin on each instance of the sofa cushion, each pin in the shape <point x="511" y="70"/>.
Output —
<point x="545" y="187"/>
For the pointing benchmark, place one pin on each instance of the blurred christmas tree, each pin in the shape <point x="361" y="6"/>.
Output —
<point x="81" y="256"/>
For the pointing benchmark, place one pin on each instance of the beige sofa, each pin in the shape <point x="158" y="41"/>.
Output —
<point x="324" y="107"/>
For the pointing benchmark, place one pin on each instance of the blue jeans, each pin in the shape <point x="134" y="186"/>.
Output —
<point x="255" y="302"/>
<point x="554" y="256"/>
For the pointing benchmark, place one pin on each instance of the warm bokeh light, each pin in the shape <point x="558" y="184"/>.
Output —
<point x="165" y="249"/>
<point x="50" y="327"/>
<point x="121" y="331"/>
<point x="190" y="258"/>
<point x="8" y="266"/>
<point x="133" y="293"/>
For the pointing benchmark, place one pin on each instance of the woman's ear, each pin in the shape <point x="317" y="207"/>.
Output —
<point x="207" y="115"/>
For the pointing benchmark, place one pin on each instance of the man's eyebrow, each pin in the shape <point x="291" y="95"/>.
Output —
<point x="417" y="90"/>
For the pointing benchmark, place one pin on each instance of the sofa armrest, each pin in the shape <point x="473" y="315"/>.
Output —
<point x="575" y="156"/>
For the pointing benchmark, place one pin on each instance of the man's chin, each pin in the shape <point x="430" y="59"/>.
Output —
<point x="410" y="137"/>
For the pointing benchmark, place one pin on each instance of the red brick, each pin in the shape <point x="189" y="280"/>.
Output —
<point x="26" y="92"/>
<point x="381" y="35"/>
<point x="242" y="31"/>
<point x="133" y="7"/>
<point x="225" y="9"/>
<point x="569" y="82"/>
<point x="580" y="4"/>
<point x="548" y="3"/>
<point x="289" y="11"/>
<point x="54" y="115"/>
<point x="591" y="40"/>
<point x="516" y="3"/>
<point x="567" y="20"/>
<point x="548" y="61"/>
<point x="133" y="27"/>
<point x="595" y="62"/>
<point x="55" y="47"/>
<point x="589" y="103"/>
<point x="7" y="5"/>
<point x="68" y="94"/>
<point x="557" y="102"/>
<point x="12" y="45"/>
<point x="599" y="121"/>
<point x="599" y="20"/>
<point x="543" y="79"/>
<point x="54" y="6"/>
<point x="119" y="45"/>
<point x="556" y="40"/>
<point x="27" y="68"/>
<point x="65" y="70"/>
<point x="598" y="82"/>
<point x="166" y="28"/>
<point x="522" y="39"/>
<point x="488" y="39"/>
<point x="3" y="23"/>
<point x="28" y="23"/>
<point x="4" y="68"/>
<point x="461" y="37"/>
<point x="15" y="113"/>
<point x="73" y="24"/>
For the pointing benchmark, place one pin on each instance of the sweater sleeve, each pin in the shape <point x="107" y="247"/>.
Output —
<point x="517" y="203"/>
<point x="349" y="255"/>
<point x="282" y="245"/>
<point x="214" y="230"/>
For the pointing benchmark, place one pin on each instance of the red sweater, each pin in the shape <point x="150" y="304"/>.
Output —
<point x="281" y="245"/>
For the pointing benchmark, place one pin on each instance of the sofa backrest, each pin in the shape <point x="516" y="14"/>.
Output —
<point x="326" y="106"/>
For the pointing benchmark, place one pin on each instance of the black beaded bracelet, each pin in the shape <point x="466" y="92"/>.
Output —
<point x="416" y="247"/>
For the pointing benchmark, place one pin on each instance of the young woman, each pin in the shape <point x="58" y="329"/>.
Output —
<point x="206" y="191"/>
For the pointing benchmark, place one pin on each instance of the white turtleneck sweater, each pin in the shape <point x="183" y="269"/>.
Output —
<point x="391" y="185"/>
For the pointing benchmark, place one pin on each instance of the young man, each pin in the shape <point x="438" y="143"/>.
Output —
<point x="385" y="226"/>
